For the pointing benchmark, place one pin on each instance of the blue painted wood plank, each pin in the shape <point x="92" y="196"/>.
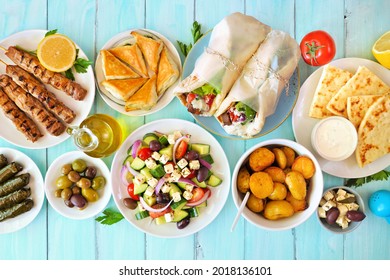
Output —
<point x="30" y="242"/>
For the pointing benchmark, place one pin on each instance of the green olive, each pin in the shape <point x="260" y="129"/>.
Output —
<point x="57" y="193"/>
<point x="84" y="183"/>
<point x="66" y="194"/>
<point x="66" y="169"/>
<point x="90" y="194"/>
<point x="63" y="182"/>
<point x="98" y="182"/>
<point x="74" y="176"/>
<point x="79" y="165"/>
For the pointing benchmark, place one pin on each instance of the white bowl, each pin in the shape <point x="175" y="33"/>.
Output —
<point x="313" y="197"/>
<point x="352" y="225"/>
<point x="93" y="208"/>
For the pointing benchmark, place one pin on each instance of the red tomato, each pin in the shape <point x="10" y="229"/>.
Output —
<point x="209" y="98"/>
<point x="130" y="191"/>
<point x="197" y="194"/>
<point x="233" y="117"/>
<point x="191" y="96"/>
<point x="317" y="48"/>
<point x="155" y="215"/>
<point x="181" y="149"/>
<point x="192" y="174"/>
<point x="145" y="153"/>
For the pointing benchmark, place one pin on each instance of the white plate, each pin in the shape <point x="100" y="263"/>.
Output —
<point x="214" y="204"/>
<point x="93" y="208"/>
<point x="118" y="105"/>
<point x="303" y="124"/>
<point x="35" y="184"/>
<point x="29" y="40"/>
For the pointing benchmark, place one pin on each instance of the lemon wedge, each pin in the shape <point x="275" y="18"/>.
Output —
<point x="381" y="50"/>
<point x="56" y="53"/>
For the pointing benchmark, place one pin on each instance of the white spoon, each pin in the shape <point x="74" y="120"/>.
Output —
<point x="243" y="203"/>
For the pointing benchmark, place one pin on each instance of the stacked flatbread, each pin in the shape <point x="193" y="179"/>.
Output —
<point x="139" y="74"/>
<point x="363" y="98"/>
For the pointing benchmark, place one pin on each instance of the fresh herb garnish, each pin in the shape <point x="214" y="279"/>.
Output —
<point x="80" y="65"/>
<point x="110" y="217"/>
<point x="69" y="74"/>
<point x="51" y="32"/>
<point x="248" y="112"/>
<point x="206" y="89"/>
<point x="358" y="182"/>
<point x="196" y="35"/>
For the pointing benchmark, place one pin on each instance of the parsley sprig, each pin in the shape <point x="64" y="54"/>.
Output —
<point x="196" y="35"/>
<point x="358" y="182"/>
<point x="109" y="217"/>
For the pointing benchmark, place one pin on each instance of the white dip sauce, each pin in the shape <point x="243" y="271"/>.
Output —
<point x="334" y="138"/>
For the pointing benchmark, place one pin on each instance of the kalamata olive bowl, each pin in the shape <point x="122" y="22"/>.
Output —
<point x="352" y="225"/>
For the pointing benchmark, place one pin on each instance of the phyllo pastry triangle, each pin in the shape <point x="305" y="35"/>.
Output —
<point x="131" y="55"/>
<point x="113" y="68"/>
<point x="151" y="49"/>
<point x="168" y="72"/>
<point x="145" y="98"/>
<point x="123" y="89"/>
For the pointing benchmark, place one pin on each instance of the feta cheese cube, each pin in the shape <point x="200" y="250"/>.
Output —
<point x="322" y="201"/>
<point x="171" y="139"/>
<point x="341" y="192"/>
<point x="149" y="191"/>
<point x="352" y="206"/>
<point x="194" y="164"/>
<point x="321" y="212"/>
<point x="140" y="207"/>
<point x="164" y="159"/>
<point x="152" y="182"/>
<point x="175" y="176"/>
<point x="139" y="179"/>
<point x="177" y="134"/>
<point x="342" y="208"/>
<point x="182" y="163"/>
<point x="168" y="217"/>
<point x="166" y="188"/>
<point x="189" y="187"/>
<point x="329" y="195"/>
<point x="168" y="168"/>
<point x="328" y="205"/>
<point x="342" y="221"/>
<point x="156" y="155"/>
<point x="176" y="197"/>
<point x="187" y="195"/>
<point x="185" y="172"/>
<point x="150" y="163"/>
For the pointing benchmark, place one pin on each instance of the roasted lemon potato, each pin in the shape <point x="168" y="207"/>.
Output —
<point x="278" y="180"/>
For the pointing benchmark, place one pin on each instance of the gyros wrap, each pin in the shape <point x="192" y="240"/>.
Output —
<point x="233" y="41"/>
<point x="256" y="92"/>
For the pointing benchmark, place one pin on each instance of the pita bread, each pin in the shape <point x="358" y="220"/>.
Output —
<point x="113" y="68"/>
<point x="168" y="72"/>
<point x="357" y="107"/>
<point x="131" y="55"/>
<point x="123" y="89"/>
<point x="332" y="79"/>
<point x="374" y="132"/>
<point x="145" y="98"/>
<point x="151" y="49"/>
<point x="364" y="82"/>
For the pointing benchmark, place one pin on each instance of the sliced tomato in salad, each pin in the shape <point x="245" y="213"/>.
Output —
<point x="197" y="194"/>
<point x="232" y="115"/>
<point x="190" y="97"/>
<point x="155" y="215"/>
<point x="192" y="174"/>
<point x="145" y="153"/>
<point x="181" y="149"/>
<point x="208" y="99"/>
<point x="130" y="191"/>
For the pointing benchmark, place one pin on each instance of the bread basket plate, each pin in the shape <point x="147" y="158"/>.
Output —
<point x="303" y="124"/>
<point x="119" y="105"/>
<point x="36" y="186"/>
<point x="29" y="40"/>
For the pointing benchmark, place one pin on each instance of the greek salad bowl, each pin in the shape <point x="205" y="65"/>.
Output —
<point x="284" y="182"/>
<point x="170" y="178"/>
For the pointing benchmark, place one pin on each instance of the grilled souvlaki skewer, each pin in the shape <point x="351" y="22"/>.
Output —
<point x="22" y="122"/>
<point x="32" y="65"/>
<point x="30" y="84"/>
<point x="31" y="106"/>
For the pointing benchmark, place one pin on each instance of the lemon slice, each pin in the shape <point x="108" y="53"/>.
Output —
<point x="56" y="53"/>
<point x="381" y="50"/>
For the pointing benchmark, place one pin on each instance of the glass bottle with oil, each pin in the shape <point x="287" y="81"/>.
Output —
<point x="98" y="136"/>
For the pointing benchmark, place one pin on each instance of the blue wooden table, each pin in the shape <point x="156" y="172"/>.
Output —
<point x="354" y="24"/>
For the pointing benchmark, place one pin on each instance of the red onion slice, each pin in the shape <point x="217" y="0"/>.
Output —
<point x="159" y="185"/>
<point x="205" y="164"/>
<point x="131" y="170"/>
<point x="124" y="176"/>
<point x="135" y="148"/>
<point x="203" y="199"/>
<point x="151" y="209"/>
<point x="187" y="181"/>
<point x="177" y="145"/>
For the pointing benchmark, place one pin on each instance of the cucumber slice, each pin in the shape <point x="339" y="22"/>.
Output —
<point x="202" y="149"/>
<point x="140" y="188"/>
<point x="128" y="159"/>
<point x="214" y="181"/>
<point x="146" y="172"/>
<point x="160" y="220"/>
<point x="179" y="205"/>
<point x="167" y="151"/>
<point x="193" y="211"/>
<point x="208" y="158"/>
<point x="182" y="185"/>
<point x="163" y="140"/>
<point x="158" y="171"/>
<point x="148" y="137"/>
<point x="199" y="184"/>
<point x="179" y="215"/>
<point x="141" y="215"/>
<point x="137" y="164"/>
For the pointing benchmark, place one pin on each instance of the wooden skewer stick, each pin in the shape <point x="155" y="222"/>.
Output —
<point x="2" y="61"/>
<point x="3" y="48"/>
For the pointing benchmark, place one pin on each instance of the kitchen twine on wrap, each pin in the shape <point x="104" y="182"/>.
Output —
<point x="231" y="66"/>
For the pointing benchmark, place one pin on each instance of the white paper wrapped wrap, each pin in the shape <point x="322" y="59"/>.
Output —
<point x="232" y="42"/>
<point x="262" y="81"/>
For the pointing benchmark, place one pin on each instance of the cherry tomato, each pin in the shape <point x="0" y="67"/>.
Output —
<point x="317" y="48"/>
<point x="145" y="153"/>
<point x="197" y="194"/>
<point x="130" y="191"/>
<point x="191" y="96"/>
<point x="181" y="149"/>
<point x="209" y="98"/>
<point x="155" y="215"/>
